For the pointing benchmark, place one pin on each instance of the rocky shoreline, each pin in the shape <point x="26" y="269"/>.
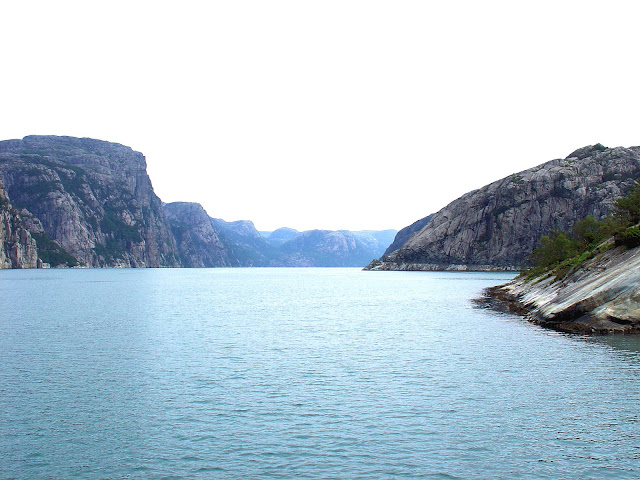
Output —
<point x="437" y="267"/>
<point x="601" y="297"/>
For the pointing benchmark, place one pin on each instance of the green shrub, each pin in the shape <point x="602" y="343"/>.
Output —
<point x="52" y="253"/>
<point x="630" y="237"/>
<point x="561" y="252"/>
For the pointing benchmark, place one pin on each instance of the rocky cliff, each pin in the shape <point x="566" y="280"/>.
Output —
<point x="497" y="226"/>
<point x="93" y="199"/>
<point x="17" y="246"/>
<point x="79" y="201"/>
<point x="602" y="296"/>
<point x="196" y="238"/>
<point x="405" y="234"/>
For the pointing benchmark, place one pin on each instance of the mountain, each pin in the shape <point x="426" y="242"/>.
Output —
<point x="197" y="240"/>
<point x="93" y="199"/>
<point x="499" y="225"/>
<point x="326" y="248"/>
<point x="68" y="202"/>
<point x="17" y="245"/>
<point x="245" y="246"/>
<point x="281" y="235"/>
<point x="383" y="237"/>
<point x="405" y="234"/>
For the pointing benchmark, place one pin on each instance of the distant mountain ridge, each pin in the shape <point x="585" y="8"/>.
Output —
<point x="67" y="201"/>
<point x="497" y="226"/>
<point x="286" y="247"/>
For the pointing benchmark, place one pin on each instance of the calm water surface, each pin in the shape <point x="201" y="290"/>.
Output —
<point x="301" y="373"/>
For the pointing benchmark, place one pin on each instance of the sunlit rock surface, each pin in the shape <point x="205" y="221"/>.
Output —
<point x="603" y="296"/>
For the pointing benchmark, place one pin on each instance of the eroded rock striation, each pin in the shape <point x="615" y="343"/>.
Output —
<point x="600" y="297"/>
<point x="499" y="225"/>
<point x="93" y="199"/>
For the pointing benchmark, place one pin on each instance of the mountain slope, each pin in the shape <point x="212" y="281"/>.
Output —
<point x="93" y="198"/>
<point x="196" y="238"/>
<point x="497" y="226"/>
<point x="404" y="235"/>
<point x="17" y="246"/>
<point x="326" y="248"/>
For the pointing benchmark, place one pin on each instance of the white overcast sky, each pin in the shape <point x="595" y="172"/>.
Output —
<point x="324" y="114"/>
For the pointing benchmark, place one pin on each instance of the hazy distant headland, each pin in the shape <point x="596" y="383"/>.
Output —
<point x="67" y="202"/>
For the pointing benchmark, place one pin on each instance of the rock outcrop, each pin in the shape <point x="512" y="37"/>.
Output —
<point x="94" y="199"/>
<point x="17" y="246"/>
<point x="601" y="297"/>
<point x="499" y="225"/>
<point x="196" y="238"/>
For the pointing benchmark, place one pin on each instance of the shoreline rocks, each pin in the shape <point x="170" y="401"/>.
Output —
<point x="600" y="297"/>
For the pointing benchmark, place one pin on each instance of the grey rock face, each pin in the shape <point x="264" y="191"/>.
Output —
<point x="603" y="296"/>
<point x="93" y="198"/>
<point x="405" y="234"/>
<point x="17" y="246"/>
<point x="497" y="226"/>
<point x="196" y="238"/>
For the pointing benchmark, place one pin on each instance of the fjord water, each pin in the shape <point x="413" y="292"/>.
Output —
<point x="301" y="373"/>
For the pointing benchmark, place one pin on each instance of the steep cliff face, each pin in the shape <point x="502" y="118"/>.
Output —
<point x="603" y="296"/>
<point x="93" y="198"/>
<point x="196" y="238"/>
<point x="17" y="246"/>
<point x="497" y="226"/>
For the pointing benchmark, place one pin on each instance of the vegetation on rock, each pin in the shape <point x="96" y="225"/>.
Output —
<point x="560" y="252"/>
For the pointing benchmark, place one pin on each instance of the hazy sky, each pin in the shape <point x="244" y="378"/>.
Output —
<point x="324" y="114"/>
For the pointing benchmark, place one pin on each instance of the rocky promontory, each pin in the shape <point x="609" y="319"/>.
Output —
<point x="497" y="226"/>
<point x="600" y="297"/>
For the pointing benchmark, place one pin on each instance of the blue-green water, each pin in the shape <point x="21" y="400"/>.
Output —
<point x="301" y="373"/>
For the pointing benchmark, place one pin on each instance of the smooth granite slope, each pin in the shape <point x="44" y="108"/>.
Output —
<point x="603" y="296"/>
